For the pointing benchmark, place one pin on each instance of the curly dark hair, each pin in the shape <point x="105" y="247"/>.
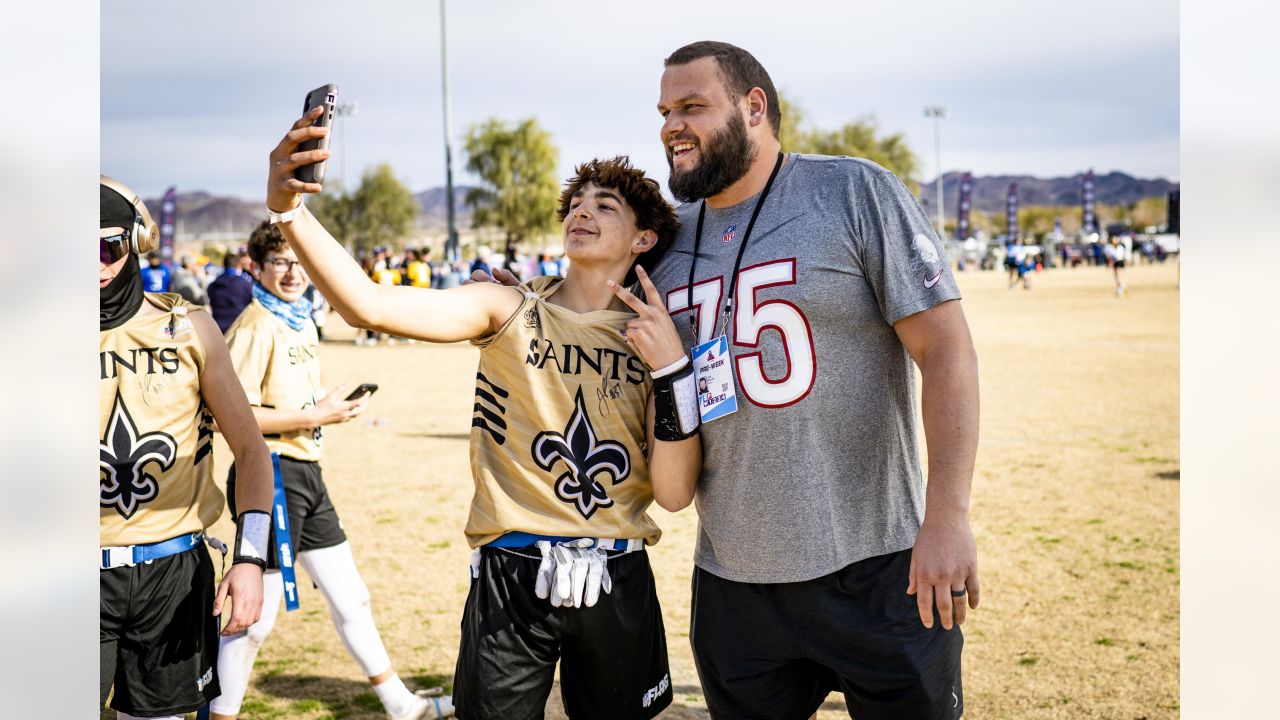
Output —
<point x="643" y="195"/>
<point x="264" y="240"/>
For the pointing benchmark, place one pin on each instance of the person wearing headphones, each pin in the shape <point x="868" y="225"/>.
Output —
<point x="164" y="378"/>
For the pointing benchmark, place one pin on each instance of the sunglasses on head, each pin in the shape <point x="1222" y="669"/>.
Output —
<point x="113" y="247"/>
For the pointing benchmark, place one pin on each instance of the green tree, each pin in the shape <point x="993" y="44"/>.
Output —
<point x="333" y="209"/>
<point x="859" y="138"/>
<point x="381" y="211"/>
<point x="517" y="168"/>
<point x="791" y="132"/>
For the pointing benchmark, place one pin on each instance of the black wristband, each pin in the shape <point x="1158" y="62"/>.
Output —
<point x="675" y="401"/>
<point x="253" y="533"/>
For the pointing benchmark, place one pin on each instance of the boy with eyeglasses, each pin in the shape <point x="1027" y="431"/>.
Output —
<point x="274" y="348"/>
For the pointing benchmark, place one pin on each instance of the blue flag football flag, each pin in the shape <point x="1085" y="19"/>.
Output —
<point x="962" y="217"/>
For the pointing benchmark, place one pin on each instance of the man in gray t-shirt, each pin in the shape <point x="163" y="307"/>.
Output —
<point x="816" y="528"/>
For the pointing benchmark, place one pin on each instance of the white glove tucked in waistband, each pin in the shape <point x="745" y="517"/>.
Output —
<point x="572" y="574"/>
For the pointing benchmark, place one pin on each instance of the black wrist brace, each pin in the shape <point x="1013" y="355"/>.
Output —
<point x="675" y="400"/>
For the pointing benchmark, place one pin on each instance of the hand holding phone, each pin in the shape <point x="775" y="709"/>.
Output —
<point x="326" y="95"/>
<point x="361" y="391"/>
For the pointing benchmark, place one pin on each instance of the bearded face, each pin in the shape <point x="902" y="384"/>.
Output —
<point x="723" y="157"/>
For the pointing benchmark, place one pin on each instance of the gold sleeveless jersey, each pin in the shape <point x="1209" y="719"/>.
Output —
<point x="558" y="433"/>
<point x="279" y="367"/>
<point x="155" y="473"/>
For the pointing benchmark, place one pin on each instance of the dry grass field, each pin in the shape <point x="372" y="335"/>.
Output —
<point x="1075" y="507"/>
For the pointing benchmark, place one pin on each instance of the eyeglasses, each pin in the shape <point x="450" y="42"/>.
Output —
<point x="113" y="247"/>
<point x="283" y="265"/>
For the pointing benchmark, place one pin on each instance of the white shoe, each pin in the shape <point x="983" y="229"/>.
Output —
<point x="427" y="708"/>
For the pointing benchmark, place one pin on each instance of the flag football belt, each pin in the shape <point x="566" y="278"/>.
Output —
<point x="130" y="555"/>
<point x="515" y="540"/>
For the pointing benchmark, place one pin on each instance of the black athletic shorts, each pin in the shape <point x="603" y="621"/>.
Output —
<point x="313" y="522"/>
<point x="157" y="636"/>
<point x="613" y="655"/>
<point x="1120" y="264"/>
<point x="774" y="651"/>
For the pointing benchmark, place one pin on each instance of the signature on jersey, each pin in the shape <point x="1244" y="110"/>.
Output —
<point x="607" y="391"/>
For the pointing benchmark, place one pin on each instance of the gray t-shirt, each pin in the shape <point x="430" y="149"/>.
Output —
<point x="820" y="466"/>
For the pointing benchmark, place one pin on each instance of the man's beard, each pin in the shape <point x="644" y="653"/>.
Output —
<point x="726" y="156"/>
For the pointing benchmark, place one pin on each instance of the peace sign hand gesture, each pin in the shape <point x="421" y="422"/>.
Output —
<point x="651" y="333"/>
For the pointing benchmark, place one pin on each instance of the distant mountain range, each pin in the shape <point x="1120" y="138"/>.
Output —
<point x="990" y="191"/>
<point x="201" y="214"/>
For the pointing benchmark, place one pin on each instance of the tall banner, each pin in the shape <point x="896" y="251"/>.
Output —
<point x="1011" y="211"/>
<point x="168" y="219"/>
<point x="1057" y="227"/>
<point x="962" y="217"/>
<point x="1089" y="222"/>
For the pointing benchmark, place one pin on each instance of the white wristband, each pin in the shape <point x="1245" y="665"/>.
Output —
<point x="673" y="367"/>
<point x="286" y="216"/>
<point x="253" y="530"/>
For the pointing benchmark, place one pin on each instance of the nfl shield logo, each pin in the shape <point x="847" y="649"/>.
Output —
<point x="729" y="233"/>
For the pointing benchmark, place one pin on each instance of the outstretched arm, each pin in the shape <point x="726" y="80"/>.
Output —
<point x="673" y="465"/>
<point x="944" y="561"/>
<point x="461" y="313"/>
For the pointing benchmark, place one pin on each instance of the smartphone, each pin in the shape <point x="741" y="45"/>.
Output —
<point x="326" y="95"/>
<point x="364" y="389"/>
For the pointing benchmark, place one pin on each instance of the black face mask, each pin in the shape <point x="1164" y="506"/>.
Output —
<point x="121" y="298"/>
<point x="726" y="157"/>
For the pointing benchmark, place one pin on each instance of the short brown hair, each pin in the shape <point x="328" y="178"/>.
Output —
<point x="265" y="239"/>
<point x="643" y="196"/>
<point x="740" y="70"/>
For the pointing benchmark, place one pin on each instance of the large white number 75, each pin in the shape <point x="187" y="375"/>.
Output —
<point x="749" y="321"/>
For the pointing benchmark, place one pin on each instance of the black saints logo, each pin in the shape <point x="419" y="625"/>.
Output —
<point x="124" y="480"/>
<point x="585" y="458"/>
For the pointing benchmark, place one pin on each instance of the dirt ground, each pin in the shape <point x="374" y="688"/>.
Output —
<point x="1075" y="508"/>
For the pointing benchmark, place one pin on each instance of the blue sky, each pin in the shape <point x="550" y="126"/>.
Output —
<point x="196" y="94"/>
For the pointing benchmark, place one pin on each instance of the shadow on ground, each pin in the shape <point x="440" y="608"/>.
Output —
<point x="339" y="697"/>
<point x="437" y="436"/>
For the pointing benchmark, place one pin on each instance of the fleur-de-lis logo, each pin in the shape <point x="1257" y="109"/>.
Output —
<point x="585" y="457"/>
<point x="123" y="479"/>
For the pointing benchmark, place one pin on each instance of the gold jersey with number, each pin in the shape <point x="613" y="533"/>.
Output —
<point x="558" y="432"/>
<point x="279" y="368"/>
<point x="155" y="474"/>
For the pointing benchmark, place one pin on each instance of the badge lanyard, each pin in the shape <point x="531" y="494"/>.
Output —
<point x="737" y="263"/>
<point x="284" y="548"/>
<point x="717" y="395"/>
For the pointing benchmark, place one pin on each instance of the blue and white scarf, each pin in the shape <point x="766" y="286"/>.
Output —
<point x="295" y="314"/>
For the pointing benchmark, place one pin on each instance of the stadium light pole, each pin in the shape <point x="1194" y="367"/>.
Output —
<point x="938" y="112"/>
<point x="344" y="110"/>
<point x="451" y="241"/>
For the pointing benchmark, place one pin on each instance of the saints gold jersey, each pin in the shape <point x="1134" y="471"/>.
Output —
<point x="419" y="274"/>
<point x="558" y="433"/>
<point x="155" y="473"/>
<point x="279" y="367"/>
